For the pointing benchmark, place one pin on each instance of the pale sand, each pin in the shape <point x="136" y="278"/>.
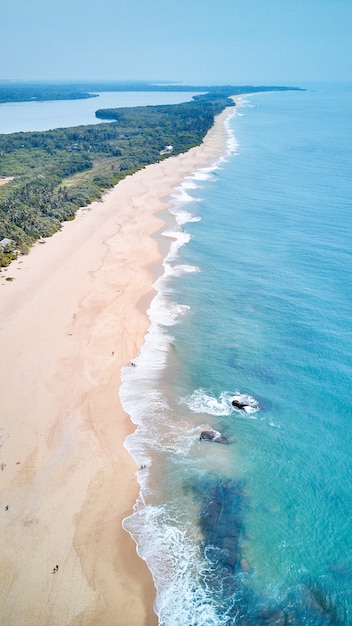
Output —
<point x="3" y="181"/>
<point x="68" y="321"/>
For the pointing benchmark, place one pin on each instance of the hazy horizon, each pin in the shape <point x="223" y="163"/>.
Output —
<point x="262" y="42"/>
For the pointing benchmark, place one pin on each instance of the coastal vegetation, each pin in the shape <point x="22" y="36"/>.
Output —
<point x="39" y="92"/>
<point x="50" y="174"/>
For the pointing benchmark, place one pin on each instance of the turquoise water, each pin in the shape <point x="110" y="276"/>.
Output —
<point x="18" y="117"/>
<point x="255" y="300"/>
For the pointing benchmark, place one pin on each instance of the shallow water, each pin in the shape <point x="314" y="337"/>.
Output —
<point x="255" y="300"/>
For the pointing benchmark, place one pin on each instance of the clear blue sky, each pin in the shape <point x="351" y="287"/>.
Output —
<point x="190" y="41"/>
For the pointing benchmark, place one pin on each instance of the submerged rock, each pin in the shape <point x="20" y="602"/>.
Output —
<point x="302" y="605"/>
<point x="221" y="524"/>
<point x="245" y="565"/>
<point x="271" y="617"/>
<point x="213" y="435"/>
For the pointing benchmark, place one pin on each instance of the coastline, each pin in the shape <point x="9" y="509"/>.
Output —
<point x="71" y="318"/>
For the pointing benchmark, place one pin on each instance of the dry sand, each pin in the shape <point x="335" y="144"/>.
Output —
<point x="69" y="319"/>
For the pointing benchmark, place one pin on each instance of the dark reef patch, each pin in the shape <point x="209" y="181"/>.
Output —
<point x="223" y="504"/>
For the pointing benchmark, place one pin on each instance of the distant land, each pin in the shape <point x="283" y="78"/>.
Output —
<point x="43" y="91"/>
<point x="46" y="176"/>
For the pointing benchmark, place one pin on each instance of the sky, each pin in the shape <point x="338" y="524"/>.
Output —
<point x="238" y="42"/>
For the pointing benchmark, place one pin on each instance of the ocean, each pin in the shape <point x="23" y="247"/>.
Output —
<point x="250" y="523"/>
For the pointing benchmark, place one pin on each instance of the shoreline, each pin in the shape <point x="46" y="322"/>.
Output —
<point x="74" y="314"/>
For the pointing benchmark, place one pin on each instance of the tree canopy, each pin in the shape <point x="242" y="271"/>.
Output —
<point x="55" y="172"/>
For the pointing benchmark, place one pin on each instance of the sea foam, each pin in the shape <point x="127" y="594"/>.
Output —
<point x="178" y="570"/>
<point x="167" y="543"/>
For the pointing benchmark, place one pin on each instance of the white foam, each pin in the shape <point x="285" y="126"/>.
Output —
<point x="182" y="196"/>
<point x="168" y="545"/>
<point x="202" y="402"/>
<point x="189" y="183"/>
<point x="179" y="236"/>
<point x="206" y="173"/>
<point x="179" y="572"/>
<point x="231" y="142"/>
<point x="178" y="270"/>
<point x="183" y="217"/>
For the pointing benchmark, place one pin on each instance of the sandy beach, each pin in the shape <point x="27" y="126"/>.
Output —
<point x="72" y="313"/>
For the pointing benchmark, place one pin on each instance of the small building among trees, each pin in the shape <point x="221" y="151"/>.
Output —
<point x="6" y="242"/>
<point x="167" y="150"/>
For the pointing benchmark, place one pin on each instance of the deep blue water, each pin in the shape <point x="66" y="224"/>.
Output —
<point x="255" y="300"/>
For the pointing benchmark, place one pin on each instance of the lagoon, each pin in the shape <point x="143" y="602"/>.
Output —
<point x="39" y="116"/>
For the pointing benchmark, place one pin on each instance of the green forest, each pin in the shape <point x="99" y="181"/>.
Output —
<point x="53" y="173"/>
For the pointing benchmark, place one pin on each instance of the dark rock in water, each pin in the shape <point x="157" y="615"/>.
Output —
<point x="238" y="404"/>
<point x="213" y="435"/>
<point x="207" y="435"/>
